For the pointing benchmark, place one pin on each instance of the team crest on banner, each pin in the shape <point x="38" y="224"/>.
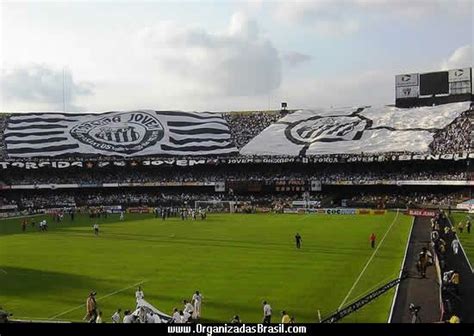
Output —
<point x="118" y="133"/>
<point x="327" y="129"/>
<point x="124" y="133"/>
<point x="354" y="130"/>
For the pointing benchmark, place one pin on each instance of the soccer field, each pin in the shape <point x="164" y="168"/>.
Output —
<point x="467" y="240"/>
<point x="235" y="260"/>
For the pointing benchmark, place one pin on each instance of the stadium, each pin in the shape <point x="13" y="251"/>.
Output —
<point x="177" y="202"/>
<point x="299" y="168"/>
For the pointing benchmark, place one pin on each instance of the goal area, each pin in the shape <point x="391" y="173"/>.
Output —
<point x="219" y="206"/>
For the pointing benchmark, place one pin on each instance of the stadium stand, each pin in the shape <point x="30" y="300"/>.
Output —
<point x="245" y="126"/>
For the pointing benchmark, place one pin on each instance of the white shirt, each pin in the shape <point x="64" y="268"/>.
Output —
<point x="96" y="226"/>
<point x="116" y="317"/>
<point x="185" y="317"/>
<point x="150" y="318"/>
<point x="176" y="318"/>
<point x="197" y="298"/>
<point x="188" y="308"/>
<point x="139" y="295"/>
<point x="267" y="310"/>
<point x="98" y="319"/>
<point x="128" y="319"/>
<point x="455" y="244"/>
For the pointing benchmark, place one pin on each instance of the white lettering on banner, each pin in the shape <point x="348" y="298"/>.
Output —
<point x="337" y="211"/>
<point x="192" y="162"/>
<point x="421" y="213"/>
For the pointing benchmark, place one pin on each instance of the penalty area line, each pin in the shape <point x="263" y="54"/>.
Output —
<point x="368" y="263"/>
<point x="100" y="298"/>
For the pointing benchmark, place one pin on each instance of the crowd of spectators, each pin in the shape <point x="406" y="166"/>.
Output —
<point x="327" y="174"/>
<point x="454" y="138"/>
<point x="275" y="201"/>
<point x="400" y="200"/>
<point x="3" y="125"/>
<point x="244" y="126"/>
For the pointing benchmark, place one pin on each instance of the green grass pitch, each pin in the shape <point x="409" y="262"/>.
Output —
<point x="467" y="240"/>
<point x="235" y="260"/>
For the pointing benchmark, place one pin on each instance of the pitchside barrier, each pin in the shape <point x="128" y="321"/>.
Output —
<point x="336" y="211"/>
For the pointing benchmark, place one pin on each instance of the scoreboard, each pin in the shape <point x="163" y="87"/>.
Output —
<point x="434" y="83"/>
<point x="451" y="85"/>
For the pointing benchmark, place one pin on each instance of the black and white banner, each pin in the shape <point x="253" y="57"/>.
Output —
<point x="126" y="134"/>
<point x="354" y="131"/>
<point x="319" y="159"/>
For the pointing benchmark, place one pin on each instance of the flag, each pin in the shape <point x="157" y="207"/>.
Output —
<point x="126" y="134"/>
<point x="354" y="130"/>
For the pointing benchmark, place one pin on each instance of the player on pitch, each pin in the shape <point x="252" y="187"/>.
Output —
<point x="298" y="240"/>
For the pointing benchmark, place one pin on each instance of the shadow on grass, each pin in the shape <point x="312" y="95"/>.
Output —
<point x="16" y="281"/>
<point x="13" y="226"/>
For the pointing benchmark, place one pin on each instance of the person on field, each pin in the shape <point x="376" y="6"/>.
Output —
<point x="468" y="226"/>
<point x="175" y="318"/>
<point x="298" y="240"/>
<point x="96" y="229"/>
<point x="139" y="295"/>
<point x="285" y="318"/>
<point x="372" y="240"/>
<point x="197" y="301"/>
<point x="461" y="227"/>
<point x="99" y="317"/>
<point x="23" y="225"/>
<point x="122" y="215"/>
<point x="188" y="308"/>
<point x="267" y="312"/>
<point x="116" y="316"/>
<point x="91" y="308"/>
<point x="236" y="320"/>
<point x="128" y="317"/>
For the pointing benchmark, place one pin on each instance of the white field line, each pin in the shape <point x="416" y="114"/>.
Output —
<point x="3" y="271"/>
<point x="100" y="298"/>
<point x="462" y="248"/>
<point x="394" y="299"/>
<point x="368" y="263"/>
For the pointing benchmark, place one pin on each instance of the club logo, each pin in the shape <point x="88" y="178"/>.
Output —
<point x="124" y="133"/>
<point x="406" y="91"/>
<point x="459" y="73"/>
<point x="327" y="129"/>
<point x="406" y="78"/>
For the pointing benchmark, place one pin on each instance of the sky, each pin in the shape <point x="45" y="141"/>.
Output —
<point x="222" y="55"/>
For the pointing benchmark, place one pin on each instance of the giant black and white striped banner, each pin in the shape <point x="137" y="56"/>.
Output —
<point x="354" y="131"/>
<point x="125" y="134"/>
